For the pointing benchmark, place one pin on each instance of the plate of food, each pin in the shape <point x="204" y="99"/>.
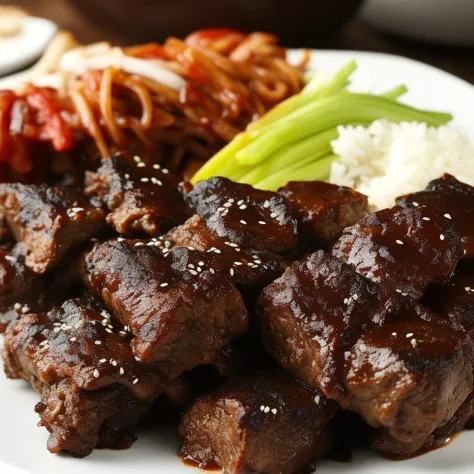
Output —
<point x="23" y="38"/>
<point x="217" y="254"/>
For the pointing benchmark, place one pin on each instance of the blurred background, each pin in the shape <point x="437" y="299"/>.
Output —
<point x="439" y="32"/>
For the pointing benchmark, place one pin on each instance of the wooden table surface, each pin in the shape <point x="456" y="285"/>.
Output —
<point x="356" y="35"/>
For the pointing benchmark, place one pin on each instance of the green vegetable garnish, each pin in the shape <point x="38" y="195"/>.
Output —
<point x="293" y="140"/>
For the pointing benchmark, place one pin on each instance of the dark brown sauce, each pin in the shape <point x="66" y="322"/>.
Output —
<point x="208" y="466"/>
<point x="437" y="444"/>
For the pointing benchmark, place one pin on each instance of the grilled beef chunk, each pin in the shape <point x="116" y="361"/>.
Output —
<point x="454" y="300"/>
<point x="323" y="210"/>
<point x="251" y="232"/>
<point x="454" y="200"/>
<point x="48" y="221"/>
<point x="249" y="269"/>
<point x="402" y="249"/>
<point x="180" y="309"/>
<point x="394" y="449"/>
<point x="245" y="216"/>
<point x="93" y="390"/>
<point x="261" y="422"/>
<point x="410" y="377"/>
<point x="20" y="288"/>
<point x="140" y="197"/>
<point x="387" y="358"/>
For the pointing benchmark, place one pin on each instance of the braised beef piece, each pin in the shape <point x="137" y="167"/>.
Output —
<point x="323" y="210"/>
<point x="93" y="390"/>
<point x="250" y="231"/>
<point x="248" y="268"/>
<point x="454" y="300"/>
<point x="245" y="216"/>
<point x="402" y="249"/>
<point x="47" y="221"/>
<point x="394" y="449"/>
<point x="261" y="422"/>
<point x="181" y="310"/>
<point x="385" y="357"/>
<point x="452" y="199"/>
<point x="140" y="197"/>
<point x="21" y="290"/>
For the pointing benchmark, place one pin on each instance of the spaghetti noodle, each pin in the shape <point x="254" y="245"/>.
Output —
<point x="226" y="80"/>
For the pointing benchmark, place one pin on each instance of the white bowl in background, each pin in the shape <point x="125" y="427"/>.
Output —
<point x="443" y="21"/>
<point x="22" y="49"/>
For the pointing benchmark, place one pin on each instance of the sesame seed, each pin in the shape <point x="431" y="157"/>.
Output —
<point x="43" y="343"/>
<point x="468" y="288"/>
<point x="77" y="209"/>
<point x="138" y="359"/>
<point x="262" y="222"/>
<point x="102" y="361"/>
<point x="141" y="164"/>
<point x="230" y="200"/>
<point x="201" y="263"/>
<point x="56" y="330"/>
<point x="73" y="339"/>
<point x="448" y="216"/>
<point x="399" y="242"/>
<point x="355" y="296"/>
<point x="193" y="272"/>
<point x="274" y="411"/>
<point x="156" y="167"/>
<point x="113" y="362"/>
<point x="120" y="239"/>
<point x="163" y="285"/>
<point x="165" y="171"/>
<point x="108" y="330"/>
<point x="410" y="334"/>
<point x="17" y="306"/>
<point x="212" y="271"/>
<point x="267" y="409"/>
<point x="217" y="251"/>
<point x="127" y="176"/>
<point x="266" y="204"/>
<point x="121" y="371"/>
<point x="240" y="202"/>
<point x="96" y="373"/>
<point x="415" y="204"/>
<point x="135" y="382"/>
<point x="394" y="333"/>
<point x="273" y="214"/>
<point x="414" y="342"/>
<point x="139" y="244"/>
<point x="144" y="180"/>
<point x="317" y="399"/>
<point x="238" y="263"/>
<point x="426" y="219"/>
<point x="233" y="245"/>
<point x="231" y="271"/>
<point x="227" y="204"/>
<point x="243" y="222"/>
<point x="441" y="237"/>
<point x="98" y="343"/>
<point x="242" y="207"/>
<point x="262" y="407"/>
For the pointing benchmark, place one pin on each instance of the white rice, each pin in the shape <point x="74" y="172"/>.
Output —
<point x="387" y="159"/>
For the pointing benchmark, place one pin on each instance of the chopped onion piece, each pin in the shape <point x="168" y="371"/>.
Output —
<point x="102" y="56"/>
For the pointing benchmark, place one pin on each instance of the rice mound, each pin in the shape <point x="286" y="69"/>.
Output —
<point x="389" y="159"/>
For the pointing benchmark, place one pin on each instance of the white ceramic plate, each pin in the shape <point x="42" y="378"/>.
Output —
<point x="30" y="43"/>
<point x="23" y="445"/>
